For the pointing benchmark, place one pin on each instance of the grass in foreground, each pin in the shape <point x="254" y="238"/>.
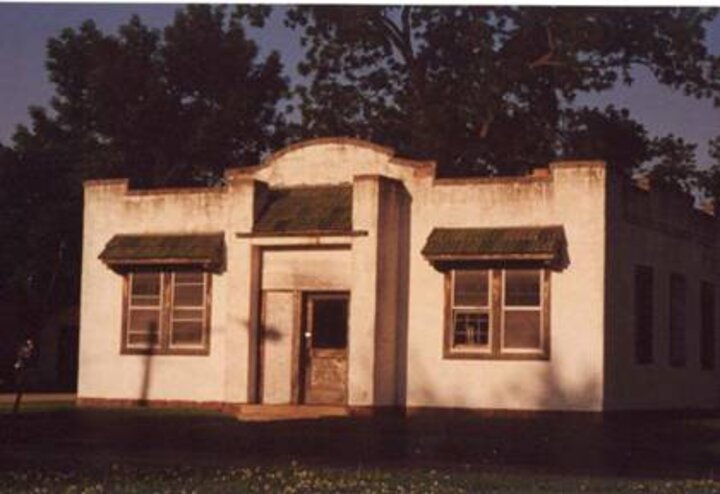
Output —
<point x="302" y="479"/>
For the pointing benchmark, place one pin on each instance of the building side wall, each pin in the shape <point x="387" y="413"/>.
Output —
<point x="659" y="229"/>
<point x="103" y="371"/>
<point x="572" y="379"/>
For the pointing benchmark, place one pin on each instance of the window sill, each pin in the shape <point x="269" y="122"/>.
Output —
<point x="166" y="351"/>
<point x="466" y="355"/>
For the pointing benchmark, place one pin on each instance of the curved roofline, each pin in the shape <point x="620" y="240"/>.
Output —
<point x="340" y="140"/>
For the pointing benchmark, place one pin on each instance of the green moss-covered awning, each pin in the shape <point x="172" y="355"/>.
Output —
<point x="487" y="244"/>
<point x="306" y="210"/>
<point x="203" y="250"/>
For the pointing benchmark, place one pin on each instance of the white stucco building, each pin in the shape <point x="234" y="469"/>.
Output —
<point x="337" y="273"/>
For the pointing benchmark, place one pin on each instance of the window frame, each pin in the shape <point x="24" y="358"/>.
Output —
<point x="164" y="346"/>
<point x="644" y="315"/>
<point x="496" y="295"/>
<point x="708" y="326"/>
<point x="471" y="309"/>
<point x="128" y="308"/>
<point x="521" y="308"/>
<point x="677" y="320"/>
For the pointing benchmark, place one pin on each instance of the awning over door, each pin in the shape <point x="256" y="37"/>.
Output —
<point x="495" y="244"/>
<point x="306" y="210"/>
<point x="206" y="251"/>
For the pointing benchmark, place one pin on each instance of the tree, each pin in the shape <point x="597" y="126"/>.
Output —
<point x="609" y="134"/>
<point x="485" y="89"/>
<point x="674" y="163"/>
<point x="41" y="212"/>
<point x="167" y="108"/>
<point x="709" y="179"/>
<point x="162" y="108"/>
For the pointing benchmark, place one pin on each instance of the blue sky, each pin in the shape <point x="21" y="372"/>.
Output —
<point x="25" y="28"/>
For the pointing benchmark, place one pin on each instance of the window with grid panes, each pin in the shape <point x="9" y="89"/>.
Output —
<point x="167" y="312"/>
<point x="498" y="313"/>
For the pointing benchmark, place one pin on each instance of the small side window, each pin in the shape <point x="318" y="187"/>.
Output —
<point x="644" y="310"/>
<point x="707" y="329"/>
<point x="678" y="300"/>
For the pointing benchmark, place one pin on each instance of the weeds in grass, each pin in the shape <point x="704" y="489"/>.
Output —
<point x="298" y="479"/>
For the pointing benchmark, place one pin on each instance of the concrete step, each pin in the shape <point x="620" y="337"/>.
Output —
<point x="288" y="412"/>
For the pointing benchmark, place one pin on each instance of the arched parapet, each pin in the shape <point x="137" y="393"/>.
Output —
<point x="332" y="160"/>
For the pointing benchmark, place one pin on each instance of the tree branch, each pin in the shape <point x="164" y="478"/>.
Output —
<point x="407" y="30"/>
<point x="546" y="59"/>
<point x="397" y="37"/>
<point x="485" y="126"/>
<point x="402" y="40"/>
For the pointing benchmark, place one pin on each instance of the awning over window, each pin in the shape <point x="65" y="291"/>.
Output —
<point x="495" y="244"/>
<point x="306" y="210"/>
<point x="205" y="250"/>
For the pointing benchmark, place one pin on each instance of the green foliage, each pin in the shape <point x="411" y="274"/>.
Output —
<point x="171" y="107"/>
<point x="294" y="478"/>
<point x="609" y="134"/>
<point x="485" y="89"/>
<point x="709" y="179"/>
<point x="41" y="212"/>
<point x="674" y="165"/>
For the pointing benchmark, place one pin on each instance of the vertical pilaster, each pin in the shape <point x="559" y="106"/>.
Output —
<point x="243" y="269"/>
<point x="379" y="208"/>
<point x="363" y="300"/>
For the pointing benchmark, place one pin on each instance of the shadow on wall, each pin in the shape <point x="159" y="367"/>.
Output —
<point x="271" y="333"/>
<point x="552" y="393"/>
<point x="147" y="360"/>
<point x="403" y="245"/>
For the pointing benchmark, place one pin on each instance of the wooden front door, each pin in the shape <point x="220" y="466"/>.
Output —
<point x="324" y="344"/>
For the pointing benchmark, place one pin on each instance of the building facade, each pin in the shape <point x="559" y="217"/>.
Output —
<point x="336" y="273"/>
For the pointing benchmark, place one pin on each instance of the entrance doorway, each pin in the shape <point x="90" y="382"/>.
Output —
<point x="324" y="345"/>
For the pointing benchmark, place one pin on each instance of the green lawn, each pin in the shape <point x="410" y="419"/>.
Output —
<point x="57" y="448"/>
<point x="295" y="478"/>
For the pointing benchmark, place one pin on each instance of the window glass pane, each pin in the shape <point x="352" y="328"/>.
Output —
<point x="707" y="331"/>
<point x="187" y="333"/>
<point x="522" y="287"/>
<point x="189" y="277"/>
<point x="148" y="323"/>
<point x="145" y="301"/>
<point x="146" y="284"/>
<point x="144" y="339"/>
<point x="522" y="329"/>
<point x="471" y="288"/>
<point x="188" y="295"/>
<point x="330" y="323"/>
<point x="188" y="314"/>
<point x="471" y="328"/>
<point x="677" y="320"/>
<point x="144" y="321"/>
<point x="643" y="314"/>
